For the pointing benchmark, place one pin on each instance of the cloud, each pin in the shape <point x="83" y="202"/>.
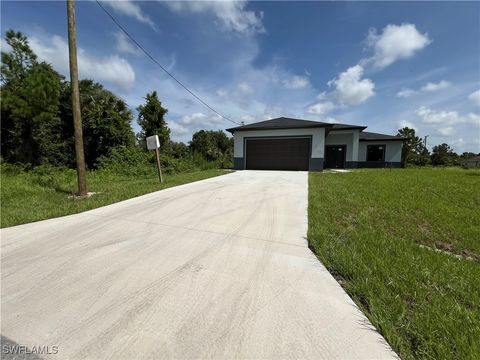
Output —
<point x="232" y="15"/>
<point x="125" y="45"/>
<point x="222" y="93"/>
<point x="405" y="93"/>
<point x="247" y="118"/>
<point x="408" y="124"/>
<point x="395" y="42"/>
<point x="350" y="88"/>
<point x="112" y="68"/>
<point x="196" y="121"/>
<point x="245" y="88"/>
<point x="132" y="9"/>
<point x="430" y="87"/>
<point x="446" y="118"/>
<point x="321" y="108"/>
<point x="295" y="82"/>
<point x="475" y="97"/>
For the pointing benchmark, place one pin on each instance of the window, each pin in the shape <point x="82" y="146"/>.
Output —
<point x="375" y="152"/>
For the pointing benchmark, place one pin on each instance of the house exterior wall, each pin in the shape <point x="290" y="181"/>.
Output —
<point x="393" y="153"/>
<point x="317" y="151"/>
<point x="349" y="138"/>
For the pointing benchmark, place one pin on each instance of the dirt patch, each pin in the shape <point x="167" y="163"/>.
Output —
<point x="449" y="249"/>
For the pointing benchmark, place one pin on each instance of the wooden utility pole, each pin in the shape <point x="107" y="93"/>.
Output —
<point x="159" y="167"/>
<point x="77" y="117"/>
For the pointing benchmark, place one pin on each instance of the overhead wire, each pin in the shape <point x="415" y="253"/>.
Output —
<point x="122" y="28"/>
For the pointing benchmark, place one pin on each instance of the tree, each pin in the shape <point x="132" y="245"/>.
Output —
<point x="106" y="120"/>
<point x="212" y="145"/>
<point x="151" y="120"/>
<point x="443" y="155"/>
<point x="178" y="149"/>
<point x="467" y="155"/>
<point x="36" y="111"/>
<point x="413" y="150"/>
<point x="31" y="126"/>
<point x="18" y="61"/>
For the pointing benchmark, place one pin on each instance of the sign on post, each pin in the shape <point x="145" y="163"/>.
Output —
<point x="153" y="143"/>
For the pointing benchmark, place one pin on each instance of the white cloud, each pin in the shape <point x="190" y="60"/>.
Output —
<point x="245" y="88"/>
<point x="111" y="68"/>
<point x="196" y="121"/>
<point x="321" y="108"/>
<point x="405" y="93"/>
<point x="475" y="97"/>
<point x="395" y="42"/>
<point x="408" y="124"/>
<point x="445" y="131"/>
<point x="247" y="118"/>
<point x="125" y="45"/>
<point x="350" y="88"/>
<point x="130" y="8"/>
<point x="222" y="93"/>
<point x="446" y="118"/>
<point x="430" y="87"/>
<point x="295" y="82"/>
<point x="232" y="15"/>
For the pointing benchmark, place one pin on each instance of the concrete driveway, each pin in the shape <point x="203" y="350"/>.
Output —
<point x="214" y="269"/>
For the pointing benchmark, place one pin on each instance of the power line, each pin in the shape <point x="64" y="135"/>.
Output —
<point x="160" y="65"/>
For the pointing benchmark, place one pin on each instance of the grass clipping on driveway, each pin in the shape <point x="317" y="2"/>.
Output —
<point x="40" y="195"/>
<point x="390" y="238"/>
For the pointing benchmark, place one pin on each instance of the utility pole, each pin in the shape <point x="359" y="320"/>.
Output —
<point x="77" y="117"/>
<point x="425" y="141"/>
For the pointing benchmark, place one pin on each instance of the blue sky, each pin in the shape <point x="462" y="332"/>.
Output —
<point x="380" y="64"/>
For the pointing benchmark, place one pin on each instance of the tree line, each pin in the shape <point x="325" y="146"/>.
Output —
<point x="414" y="152"/>
<point x="37" y="124"/>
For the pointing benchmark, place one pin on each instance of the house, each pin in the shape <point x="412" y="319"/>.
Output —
<point x="294" y="144"/>
<point x="472" y="162"/>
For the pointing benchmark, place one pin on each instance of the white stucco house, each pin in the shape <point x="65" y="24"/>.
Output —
<point x="294" y="144"/>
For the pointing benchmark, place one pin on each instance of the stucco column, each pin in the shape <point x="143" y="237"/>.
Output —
<point x="356" y="137"/>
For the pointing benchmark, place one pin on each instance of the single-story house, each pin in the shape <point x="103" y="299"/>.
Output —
<point x="472" y="162"/>
<point x="294" y="144"/>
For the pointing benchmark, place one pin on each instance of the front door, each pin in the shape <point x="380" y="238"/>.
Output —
<point x="335" y="156"/>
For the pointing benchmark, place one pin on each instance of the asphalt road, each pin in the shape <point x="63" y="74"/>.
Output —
<point x="219" y="268"/>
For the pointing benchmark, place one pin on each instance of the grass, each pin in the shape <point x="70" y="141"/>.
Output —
<point x="44" y="193"/>
<point x="375" y="230"/>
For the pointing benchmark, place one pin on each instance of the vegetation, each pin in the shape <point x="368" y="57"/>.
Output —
<point x="151" y="120"/>
<point x="415" y="153"/>
<point x="44" y="192"/>
<point x="405" y="245"/>
<point x="37" y="125"/>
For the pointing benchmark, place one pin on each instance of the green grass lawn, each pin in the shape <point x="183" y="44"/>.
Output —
<point x="39" y="195"/>
<point x="374" y="231"/>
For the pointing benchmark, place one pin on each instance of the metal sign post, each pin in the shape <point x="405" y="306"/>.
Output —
<point x="153" y="143"/>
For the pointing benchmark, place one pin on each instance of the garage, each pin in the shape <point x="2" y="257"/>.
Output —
<point x="277" y="153"/>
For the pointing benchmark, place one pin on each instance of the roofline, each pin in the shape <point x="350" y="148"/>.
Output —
<point x="349" y="127"/>
<point x="233" y="130"/>
<point x="385" y="139"/>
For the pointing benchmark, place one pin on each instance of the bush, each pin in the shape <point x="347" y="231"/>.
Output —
<point x="54" y="177"/>
<point x="136" y="161"/>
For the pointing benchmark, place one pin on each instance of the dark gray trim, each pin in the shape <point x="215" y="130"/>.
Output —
<point x="383" y="139"/>
<point x="238" y="163"/>
<point x="315" y="164"/>
<point x="372" y="164"/>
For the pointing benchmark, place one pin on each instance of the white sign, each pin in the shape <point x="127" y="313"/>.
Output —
<point x="153" y="142"/>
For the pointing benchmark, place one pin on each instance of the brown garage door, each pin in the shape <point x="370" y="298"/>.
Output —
<point x="278" y="154"/>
